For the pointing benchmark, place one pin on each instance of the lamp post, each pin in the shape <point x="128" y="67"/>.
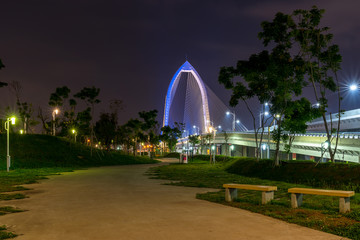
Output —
<point x="324" y="145"/>
<point x="213" y="130"/>
<point x="234" y="117"/>
<point x="75" y="134"/>
<point x="197" y="128"/>
<point x="231" y="150"/>
<point x="54" y="113"/>
<point x="7" y="128"/>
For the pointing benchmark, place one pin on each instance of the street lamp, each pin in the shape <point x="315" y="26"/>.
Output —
<point x="75" y="133"/>
<point x="264" y="147"/>
<point x="213" y="130"/>
<point x="353" y="87"/>
<point x="324" y="145"/>
<point x="234" y="117"/>
<point x="54" y="113"/>
<point x="231" y="149"/>
<point x="7" y="128"/>
<point x="197" y="128"/>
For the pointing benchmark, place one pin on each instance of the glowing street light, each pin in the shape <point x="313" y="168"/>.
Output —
<point x="197" y="128"/>
<point x="21" y="131"/>
<point x="234" y="117"/>
<point x="7" y="128"/>
<point x="353" y="87"/>
<point x="54" y="113"/>
<point x="231" y="150"/>
<point x="75" y="133"/>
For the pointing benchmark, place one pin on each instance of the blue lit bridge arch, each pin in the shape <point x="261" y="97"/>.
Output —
<point x="187" y="68"/>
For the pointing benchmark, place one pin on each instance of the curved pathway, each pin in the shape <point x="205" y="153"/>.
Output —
<point x="121" y="203"/>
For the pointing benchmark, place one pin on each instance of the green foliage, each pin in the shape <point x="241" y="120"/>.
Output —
<point x="89" y="95"/>
<point x="57" y="98"/>
<point x="170" y="135"/>
<point x="325" y="175"/>
<point x="105" y="128"/>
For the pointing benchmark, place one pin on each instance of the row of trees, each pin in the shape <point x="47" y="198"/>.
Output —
<point x="300" y="55"/>
<point x="66" y="117"/>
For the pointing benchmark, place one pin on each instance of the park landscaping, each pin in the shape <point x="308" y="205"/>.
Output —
<point x="317" y="212"/>
<point x="34" y="157"/>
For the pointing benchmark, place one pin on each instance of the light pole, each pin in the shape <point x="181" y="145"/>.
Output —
<point x="234" y="117"/>
<point x="54" y="113"/>
<point x="231" y="150"/>
<point x="324" y="145"/>
<point x="197" y="128"/>
<point x="7" y="128"/>
<point x="213" y="130"/>
<point x="75" y="134"/>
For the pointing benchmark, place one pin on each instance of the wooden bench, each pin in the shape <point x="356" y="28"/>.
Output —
<point x="231" y="191"/>
<point x="344" y="202"/>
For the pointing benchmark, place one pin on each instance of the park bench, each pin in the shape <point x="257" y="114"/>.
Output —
<point x="344" y="202"/>
<point x="231" y="191"/>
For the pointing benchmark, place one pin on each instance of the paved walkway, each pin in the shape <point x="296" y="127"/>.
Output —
<point x="120" y="203"/>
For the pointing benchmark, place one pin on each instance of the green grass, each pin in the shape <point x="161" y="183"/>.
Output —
<point x="4" y="234"/>
<point x="317" y="212"/>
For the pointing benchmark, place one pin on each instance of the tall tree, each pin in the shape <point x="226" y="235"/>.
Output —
<point x="170" y="135"/>
<point x="322" y="60"/>
<point x="105" y="129"/>
<point x="90" y="96"/>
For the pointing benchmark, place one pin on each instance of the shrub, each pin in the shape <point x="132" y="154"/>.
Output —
<point x="325" y="175"/>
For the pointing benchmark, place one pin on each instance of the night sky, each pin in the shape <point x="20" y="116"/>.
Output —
<point x="131" y="49"/>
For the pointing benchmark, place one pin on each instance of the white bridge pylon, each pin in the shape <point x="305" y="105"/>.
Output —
<point x="186" y="67"/>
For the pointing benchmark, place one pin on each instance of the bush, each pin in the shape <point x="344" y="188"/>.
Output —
<point x="172" y="155"/>
<point x="340" y="176"/>
<point x="218" y="158"/>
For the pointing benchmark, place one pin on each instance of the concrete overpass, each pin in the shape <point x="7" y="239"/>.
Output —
<point x="304" y="146"/>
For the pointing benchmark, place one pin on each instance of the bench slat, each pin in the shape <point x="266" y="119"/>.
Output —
<point x="250" y="187"/>
<point x="336" y="193"/>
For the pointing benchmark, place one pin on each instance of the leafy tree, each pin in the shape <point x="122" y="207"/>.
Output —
<point x="322" y="61"/>
<point x="148" y="127"/>
<point x="135" y="133"/>
<point x="278" y="76"/>
<point x="83" y="120"/>
<point x="90" y="96"/>
<point x="105" y="128"/>
<point x="59" y="96"/>
<point x="170" y="135"/>
<point x="194" y="139"/>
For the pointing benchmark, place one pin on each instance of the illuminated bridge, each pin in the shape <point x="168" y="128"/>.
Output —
<point x="202" y="108"/>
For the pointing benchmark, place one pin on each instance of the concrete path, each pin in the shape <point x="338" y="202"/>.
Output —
<point x="120" y="203"/>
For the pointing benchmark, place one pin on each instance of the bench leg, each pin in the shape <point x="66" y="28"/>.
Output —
<point x="344" y="204"/>
<point x="230" y="194"/>
<point x="267" y="197"/>
<point x="296" y="200"/>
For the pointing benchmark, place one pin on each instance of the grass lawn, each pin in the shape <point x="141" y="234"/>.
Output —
<point x="317" y="212"/>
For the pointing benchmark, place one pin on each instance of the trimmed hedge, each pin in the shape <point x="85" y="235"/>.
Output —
<point x="339" y="176"/>
<point x="218" y="158"/>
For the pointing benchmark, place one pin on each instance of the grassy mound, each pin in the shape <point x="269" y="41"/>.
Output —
<point x="43" y="151"/>
<point x="325" y="175"/>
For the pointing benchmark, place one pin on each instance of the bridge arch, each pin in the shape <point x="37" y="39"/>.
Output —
<point x="187" y="67"/>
